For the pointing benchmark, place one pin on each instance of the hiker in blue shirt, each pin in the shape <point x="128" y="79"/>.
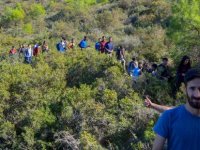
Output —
<point x="180" y="126"/>
<point x="83" y="44"/>
<point x="109" y="47"/>
<point x="132" y="65"/>
<point x="136" y="72"/>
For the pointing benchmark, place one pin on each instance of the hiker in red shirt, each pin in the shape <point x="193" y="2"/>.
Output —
<point x="102" y="44"/>
<point x="13" y="51"/>
<point x="36" y="50"/>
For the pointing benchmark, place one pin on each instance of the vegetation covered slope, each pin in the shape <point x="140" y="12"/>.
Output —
<point x="79" y="99"/>
<point x="83" y="100"/>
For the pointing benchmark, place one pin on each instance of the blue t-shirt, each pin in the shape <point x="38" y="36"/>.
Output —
<point x="109" y="46"/>
<point x="180" y="128"/>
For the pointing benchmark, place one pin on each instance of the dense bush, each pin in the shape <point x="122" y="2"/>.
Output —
<point x="93" y="104"/>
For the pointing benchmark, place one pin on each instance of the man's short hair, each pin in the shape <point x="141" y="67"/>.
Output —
<point x="165" y="59"/>
<point x="133" y="58"/>
<point x="192" y="74"/>
<point x="154" y="66"/>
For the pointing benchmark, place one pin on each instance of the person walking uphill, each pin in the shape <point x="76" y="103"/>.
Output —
<point x="183" y="67"/>
<point x="45" y="47"/>
<point x="163" y="72"/>
<point x="60" y="46"/>
<point x="28" y="54"/>
<point x="120" y="54"/>
<point x="102" y="44"/>
<point x="36" y="50"/>
<point x="98" y="45"/>
<point x="71" y="44"/>
<point x="83" y="43"/>
<point x="13" y="51"/>
<point x="109" y="47"/>
<point x="180" y="126"/>
<point x="132" y="65"/>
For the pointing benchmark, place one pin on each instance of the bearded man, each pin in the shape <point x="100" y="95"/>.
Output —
<point x="180" y="126"/>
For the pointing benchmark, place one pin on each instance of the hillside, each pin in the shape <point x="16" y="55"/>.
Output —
<point x="83" y="99"/>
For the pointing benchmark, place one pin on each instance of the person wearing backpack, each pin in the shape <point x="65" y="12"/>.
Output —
<point x="98" y="45"/>
<point x="136" y="72"/>
<point x="45" y="47"/>
<point x="154" y="70"/>
<point x="71" y="45"/>
<point x="60" y="47"/>
<point x="21" y="50"/>
<point x="163" y="72"/>
<point x="183" y="67"/>
<point x="64" y="43"/>
<point x="28" y="54"/>
<point x="83" y="43"/>
<point x="120" y="54"/>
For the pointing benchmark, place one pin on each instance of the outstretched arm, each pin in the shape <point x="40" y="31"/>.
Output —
<point x="159" y="108"/>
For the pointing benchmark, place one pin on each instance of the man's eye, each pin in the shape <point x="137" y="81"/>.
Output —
<point x="192" y="88"/>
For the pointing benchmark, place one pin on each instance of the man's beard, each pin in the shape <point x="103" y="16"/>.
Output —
<point x="193" y="104"/>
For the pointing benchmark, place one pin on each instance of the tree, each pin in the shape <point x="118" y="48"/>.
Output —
<point x="13" y="15"/>
<point x="184" y="27"/>
<point x="37" y="10"/>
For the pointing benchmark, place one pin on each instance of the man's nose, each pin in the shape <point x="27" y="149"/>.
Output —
<point x="197" y="92"/>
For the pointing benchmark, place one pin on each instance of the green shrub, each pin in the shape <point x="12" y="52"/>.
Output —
<point x="37" y="10"/>
<point x="14" y="15"/>
<point x="27" y="28"/>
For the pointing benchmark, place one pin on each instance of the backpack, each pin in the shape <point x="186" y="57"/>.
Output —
<point x="98" y="46"/>
<point x="83" y="44"/>
<point x="136" y="72"/>
<point x="58" y="46"/>
<point x="118" y="54"/>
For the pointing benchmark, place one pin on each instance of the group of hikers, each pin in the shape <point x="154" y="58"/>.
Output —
<point x="102" y="45"/>
<point x="161" y="71"/>
<point x="62" y="46"/>
<point x="28" y="51"/>
<point x="134" y="68"/>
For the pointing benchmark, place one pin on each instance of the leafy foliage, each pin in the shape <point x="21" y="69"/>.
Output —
<point x="184" y="27"/>
<point x="37" y="10"/>
<point x="15" y="15"/>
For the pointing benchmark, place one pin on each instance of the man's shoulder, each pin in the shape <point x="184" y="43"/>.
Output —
<point x="174" y="111"/>
<point x="161" y="66"/>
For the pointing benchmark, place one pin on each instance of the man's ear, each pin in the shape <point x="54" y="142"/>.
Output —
<point x="185" y="89"/>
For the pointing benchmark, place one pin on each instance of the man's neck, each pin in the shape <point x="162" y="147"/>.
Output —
<point x="192" y="110"/>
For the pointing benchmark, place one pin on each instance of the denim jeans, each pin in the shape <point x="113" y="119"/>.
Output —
<point x="27" y="60"/>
